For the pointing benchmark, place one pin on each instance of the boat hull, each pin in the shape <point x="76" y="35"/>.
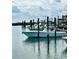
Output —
<point x="44" y="34"/>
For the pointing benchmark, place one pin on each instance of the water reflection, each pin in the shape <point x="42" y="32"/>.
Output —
<point x="43" y="39"/>
<point x="54" y="50"/>
<point x="23" y="48"/>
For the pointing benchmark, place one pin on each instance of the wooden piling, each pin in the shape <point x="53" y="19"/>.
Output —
<point x="33" y="21"/>
<point x="31" y="24"/>
<point x="58" y="21"/>
<point x="55" y="34"/>
<point x="23" y="25"/>
<point x="38" y="39"/>
<point x="47" y="34"/>
<point x="38" y="29"/>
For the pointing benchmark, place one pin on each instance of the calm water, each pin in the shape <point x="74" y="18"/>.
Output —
<point x="28" y="48"/>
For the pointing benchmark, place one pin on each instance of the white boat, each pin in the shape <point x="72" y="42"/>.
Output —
<point x="44" y="33"/>
<point x="33" y="32"/>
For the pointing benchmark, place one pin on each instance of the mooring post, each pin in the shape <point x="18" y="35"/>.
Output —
<point x="33" y="20"/>
<point x="48" y="34"/>
<point x="38" y="29"/>
<point x="58" y="21"/>
<point x="38" y="39"/>
<point x="55" y="34"/>
<point x="31" y="24"/>
<point x="23" y="25"/>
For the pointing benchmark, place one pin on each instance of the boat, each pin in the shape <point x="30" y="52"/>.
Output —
<point x="33" y="31"/>
<point x="44" y="33"/>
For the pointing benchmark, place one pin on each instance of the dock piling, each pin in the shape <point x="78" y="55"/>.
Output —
<point x="47" y="34"/>
<point x="23" y="25"/>
<point x="38" y="39"/>
<point x="31" y="24"/>
<point x="55" y="34"/>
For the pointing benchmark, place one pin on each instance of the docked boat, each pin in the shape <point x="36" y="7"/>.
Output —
<point x="33" y="31"/>
<point x="44" y="33"/>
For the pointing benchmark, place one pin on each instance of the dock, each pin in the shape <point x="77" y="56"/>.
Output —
<point x="57" y="25"/>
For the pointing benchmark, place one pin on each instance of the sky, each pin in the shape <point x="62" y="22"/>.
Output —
<point x="38" y="8"/>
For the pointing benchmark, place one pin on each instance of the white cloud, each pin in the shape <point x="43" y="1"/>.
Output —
<point x="41" y="7"/>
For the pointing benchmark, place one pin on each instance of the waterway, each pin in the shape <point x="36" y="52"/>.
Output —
<point x="29" y="48"/>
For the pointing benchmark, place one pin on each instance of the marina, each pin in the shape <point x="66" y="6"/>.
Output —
<point x="44" y="27"/>
<point x="45" y="40"/>
<point x="39" y="29"/>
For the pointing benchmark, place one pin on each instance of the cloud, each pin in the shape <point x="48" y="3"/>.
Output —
<point x="34" y="8"/>
<point x="15" y="9"/>
<point x="58" y="1"/>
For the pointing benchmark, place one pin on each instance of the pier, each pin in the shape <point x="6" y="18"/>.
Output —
<point x="55" y="24"/>
<point x="61" y="24"/>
